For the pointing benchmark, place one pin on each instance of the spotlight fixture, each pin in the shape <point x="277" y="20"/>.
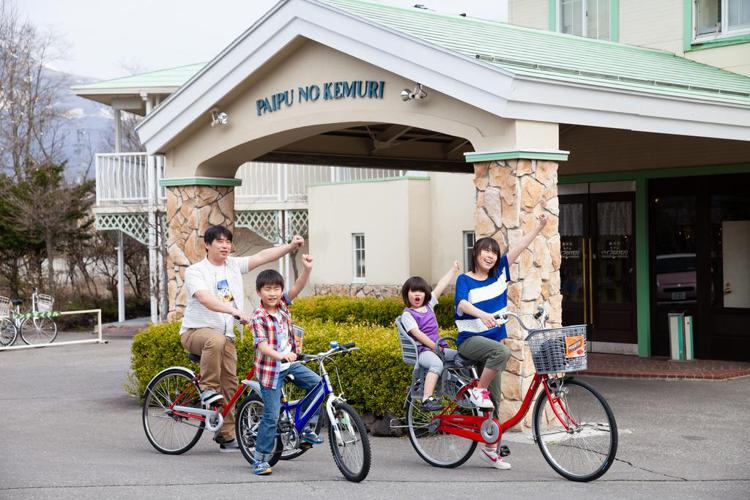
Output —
<point x="219" y="117"/>
<point x="417" y="94"/>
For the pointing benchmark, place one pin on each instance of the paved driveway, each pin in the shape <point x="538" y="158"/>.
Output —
<point x="70" y="431"/>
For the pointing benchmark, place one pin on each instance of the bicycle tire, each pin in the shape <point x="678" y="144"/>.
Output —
<point x="352" y="456"/>
<point x="247" y="419"/>
<point x="580" y="439"/>
<point x="438" y="449"/>
<point x="170" y="434"/>
<point x="38" y="331"/>
<point x="8" y="332"/>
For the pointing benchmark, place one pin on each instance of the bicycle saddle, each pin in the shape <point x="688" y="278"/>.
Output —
<point x="194" y="358"/>
<point x="16" y="302"/>
<point x="461" y="362"/>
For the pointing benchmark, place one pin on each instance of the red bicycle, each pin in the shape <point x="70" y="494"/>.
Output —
<point x="572" y="423"/>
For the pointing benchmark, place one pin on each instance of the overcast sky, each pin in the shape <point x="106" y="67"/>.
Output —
<point x="107" y="39"/>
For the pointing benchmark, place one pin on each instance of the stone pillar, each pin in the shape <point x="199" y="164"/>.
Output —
<point x="509" y="196"/>
<point x="191" y="209"/>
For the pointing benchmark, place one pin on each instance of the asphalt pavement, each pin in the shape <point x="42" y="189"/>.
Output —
<point x="69" y="430"/>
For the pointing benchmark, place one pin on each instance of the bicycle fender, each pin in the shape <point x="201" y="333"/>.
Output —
<point x="187" y="372"/>
<point x="253" y="385"/>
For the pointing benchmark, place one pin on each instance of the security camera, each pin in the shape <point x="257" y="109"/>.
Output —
<point x="406" y="95"/>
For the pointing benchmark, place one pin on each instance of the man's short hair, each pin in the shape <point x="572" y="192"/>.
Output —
<point x="216" y="232"/>
<point x="269" y="277"/>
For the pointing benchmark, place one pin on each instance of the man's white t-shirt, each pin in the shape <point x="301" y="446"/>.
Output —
<point x="225" y="282"/>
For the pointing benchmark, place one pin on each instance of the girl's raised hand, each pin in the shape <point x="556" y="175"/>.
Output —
<point x="542" y="219"/>
<point x="455" y="268"/>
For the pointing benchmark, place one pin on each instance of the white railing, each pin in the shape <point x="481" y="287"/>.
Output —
<point x="279" y="182"/>
<point x="122" y="178"/>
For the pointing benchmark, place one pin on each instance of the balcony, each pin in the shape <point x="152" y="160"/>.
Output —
<point x="122" y="182"/>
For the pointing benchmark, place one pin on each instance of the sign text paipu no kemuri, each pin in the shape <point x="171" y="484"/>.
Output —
<point x="328" y="91"/>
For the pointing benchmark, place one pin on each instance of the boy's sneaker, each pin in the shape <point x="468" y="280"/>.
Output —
<point x="480" y="398"/>
<point x="262" y="469"/>
<point x="431" y="404"/>
<point x="492" y="458"/>
<point x="209" y="397"/>
<point x="309" y="436"/>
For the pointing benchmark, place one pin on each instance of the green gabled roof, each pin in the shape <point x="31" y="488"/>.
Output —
<point x="555" y="56"/>
<point x="172" y="77"/>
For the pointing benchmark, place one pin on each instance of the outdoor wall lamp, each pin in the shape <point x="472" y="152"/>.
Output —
<point x="418" y="93"/>
<point x="219" y="117"/>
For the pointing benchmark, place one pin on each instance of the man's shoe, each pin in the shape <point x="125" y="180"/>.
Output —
<point x="309" y="436"/>
<point x="210" y="397"/>
<point x="492" y="458"/>
<point x="431" y="404"/>
<point x="480" y="398"/>
<point x="262" y="469"/>
<point x="229" y="446"/>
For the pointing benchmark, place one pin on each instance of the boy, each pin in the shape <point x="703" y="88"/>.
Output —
<point x="275" y="348"/>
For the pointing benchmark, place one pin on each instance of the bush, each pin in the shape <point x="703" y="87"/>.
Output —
<point x="374" y="378"/>
<point x="381" y="312"/>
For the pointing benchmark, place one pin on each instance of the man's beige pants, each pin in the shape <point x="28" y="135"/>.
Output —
<point x="218" y="366"/>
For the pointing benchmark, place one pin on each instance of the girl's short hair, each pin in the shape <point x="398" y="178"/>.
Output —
<point x="416" y="284"/>
<point x="269" y="277"/>
<point x="485" y="243"/>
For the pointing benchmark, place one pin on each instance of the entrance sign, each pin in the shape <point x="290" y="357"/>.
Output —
<point x="329" y="91"/>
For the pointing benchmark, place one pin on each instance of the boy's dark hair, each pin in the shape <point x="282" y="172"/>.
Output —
<point x="416" y="284"/>
<point x="485" y="243"/>
<point x="269" y="277"/>
<point x="216" y="232"/>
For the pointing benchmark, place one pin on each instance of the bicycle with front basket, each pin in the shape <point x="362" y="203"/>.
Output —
<point x="347" y="434"/>
<point x="36" y="326"/>
<point x="572" y="423"/>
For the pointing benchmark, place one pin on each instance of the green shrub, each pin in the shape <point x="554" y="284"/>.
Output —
<point x="382" y="312"/>
<point x="373" y="378"/>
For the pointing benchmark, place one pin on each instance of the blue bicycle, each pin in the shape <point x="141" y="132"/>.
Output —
<point x="347" y="434"/>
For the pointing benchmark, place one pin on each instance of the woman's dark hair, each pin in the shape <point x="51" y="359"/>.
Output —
<point x="416" y="284"/>
<point x="269" y="277"/>
<point x="485" y="243"/>
<point x="216" y="232"/>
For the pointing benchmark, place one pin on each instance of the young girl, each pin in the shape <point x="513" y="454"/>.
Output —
<point x="419" y="320"/>
<point x="480" y="295"/>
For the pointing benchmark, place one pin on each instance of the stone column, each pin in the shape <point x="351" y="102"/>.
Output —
<point x="509" y="196"/>
<point x="191" y="209"/>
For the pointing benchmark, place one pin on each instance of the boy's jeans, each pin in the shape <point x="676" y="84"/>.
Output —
<point x="304" y="378"/>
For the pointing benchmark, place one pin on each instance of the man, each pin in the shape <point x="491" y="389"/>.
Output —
<point x="216" y="297"/>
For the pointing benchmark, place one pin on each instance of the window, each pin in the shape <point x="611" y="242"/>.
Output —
<point x="717" y="18"/>
<point x="358" y="245"/>
<point x="589" y="18"/>
<point x="469" y="239"/>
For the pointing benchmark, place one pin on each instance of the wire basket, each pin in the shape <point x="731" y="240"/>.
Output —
<point x="558" y="350"/>
<point x="4" y="307"/>
<point x="44" y="302"/>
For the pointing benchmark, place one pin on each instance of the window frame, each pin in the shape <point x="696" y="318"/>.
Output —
<point x="555" y="7"/>
<point x="466" y="248"/>
<point x="724" y="32"/>
<point x="355" y="262"/>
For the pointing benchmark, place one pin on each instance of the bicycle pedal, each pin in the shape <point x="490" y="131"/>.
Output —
<point x="503" y="451"/>
<point x="304" y="445"/>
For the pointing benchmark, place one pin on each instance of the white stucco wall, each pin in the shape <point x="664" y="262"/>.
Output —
<point x="529" y="13"/>
<point x="452" y="197"/>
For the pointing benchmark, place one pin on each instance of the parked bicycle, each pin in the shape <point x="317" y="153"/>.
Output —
<point x="36" y="326"/>
<point x="347" y="434"/>
<point x="572" y="423"/>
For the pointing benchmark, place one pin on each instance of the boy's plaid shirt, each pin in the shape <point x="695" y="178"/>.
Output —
<point x="264" y="328"/>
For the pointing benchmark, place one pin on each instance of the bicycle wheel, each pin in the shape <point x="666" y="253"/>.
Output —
<point x="36" y="331"/>
<point x="351" y="448"/>
<point x="437" y="448"/>
<point x="576" y="431"/>
<point x="247" y="421"/>
<point x="167" y="431"/>
<point x="8" y="332"/>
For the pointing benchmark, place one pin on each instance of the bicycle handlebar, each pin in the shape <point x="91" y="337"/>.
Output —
<point x="540" y="315"/>
<point x="304" y="358"/>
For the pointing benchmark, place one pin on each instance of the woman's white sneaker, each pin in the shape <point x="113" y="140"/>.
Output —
<point x="480" y="398"/>
<point x="492" y="458"/>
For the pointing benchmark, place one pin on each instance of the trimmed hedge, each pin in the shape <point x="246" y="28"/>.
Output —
<point x="374" y="378"/>
<point x="381" y="312"/>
